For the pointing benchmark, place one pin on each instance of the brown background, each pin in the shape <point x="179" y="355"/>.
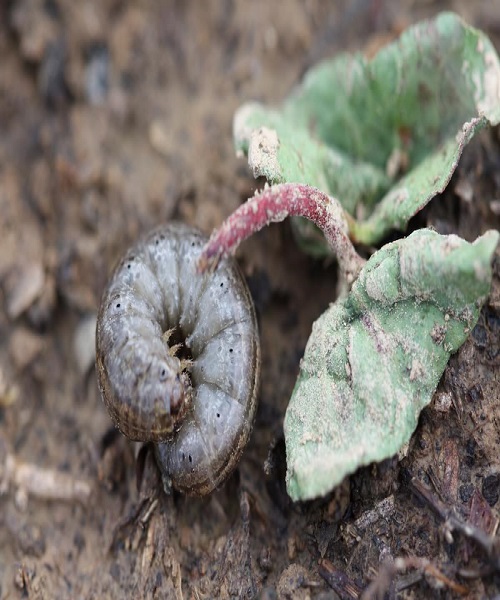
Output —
<point x="116" y="116"/>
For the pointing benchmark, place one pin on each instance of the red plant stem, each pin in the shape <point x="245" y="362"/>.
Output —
<point x="274" y="204"/>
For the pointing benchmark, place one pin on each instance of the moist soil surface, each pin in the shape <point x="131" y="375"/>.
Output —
<point x="115" y="117"/>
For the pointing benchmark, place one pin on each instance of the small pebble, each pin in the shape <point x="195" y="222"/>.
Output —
<point x="84" y="343"/>
<point x="23" y="288"/>
<point x="24" y="347"/>
<point x="491" y="488"/>
<point x="97" y="75"/>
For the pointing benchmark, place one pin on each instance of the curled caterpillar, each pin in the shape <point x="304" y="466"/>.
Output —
<point x="178" y="357"/>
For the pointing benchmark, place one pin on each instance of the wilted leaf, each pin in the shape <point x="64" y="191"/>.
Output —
<point x="383" y="136"/>
<point x="375" y="358"/>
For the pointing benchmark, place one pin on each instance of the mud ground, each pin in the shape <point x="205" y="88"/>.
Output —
<point x="116" y="116"/>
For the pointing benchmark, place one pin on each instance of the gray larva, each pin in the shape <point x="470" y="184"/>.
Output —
<point x="198" y="409"/>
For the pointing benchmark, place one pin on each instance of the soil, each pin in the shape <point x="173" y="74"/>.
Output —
<point x="116" y="116"/>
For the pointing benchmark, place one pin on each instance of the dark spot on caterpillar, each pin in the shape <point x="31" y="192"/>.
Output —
<point x="169" y="397"/>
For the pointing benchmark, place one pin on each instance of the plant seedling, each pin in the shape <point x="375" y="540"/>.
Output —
<point x="375" y="357"/>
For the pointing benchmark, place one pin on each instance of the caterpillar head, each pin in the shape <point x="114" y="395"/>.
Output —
<point x="151" y="398"/>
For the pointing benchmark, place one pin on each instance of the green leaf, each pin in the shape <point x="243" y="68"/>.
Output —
<point x="383" y="136"/>
<point x="374" y="359"/>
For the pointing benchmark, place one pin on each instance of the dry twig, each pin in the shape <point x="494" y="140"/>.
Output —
<point x="30" y="479"/>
